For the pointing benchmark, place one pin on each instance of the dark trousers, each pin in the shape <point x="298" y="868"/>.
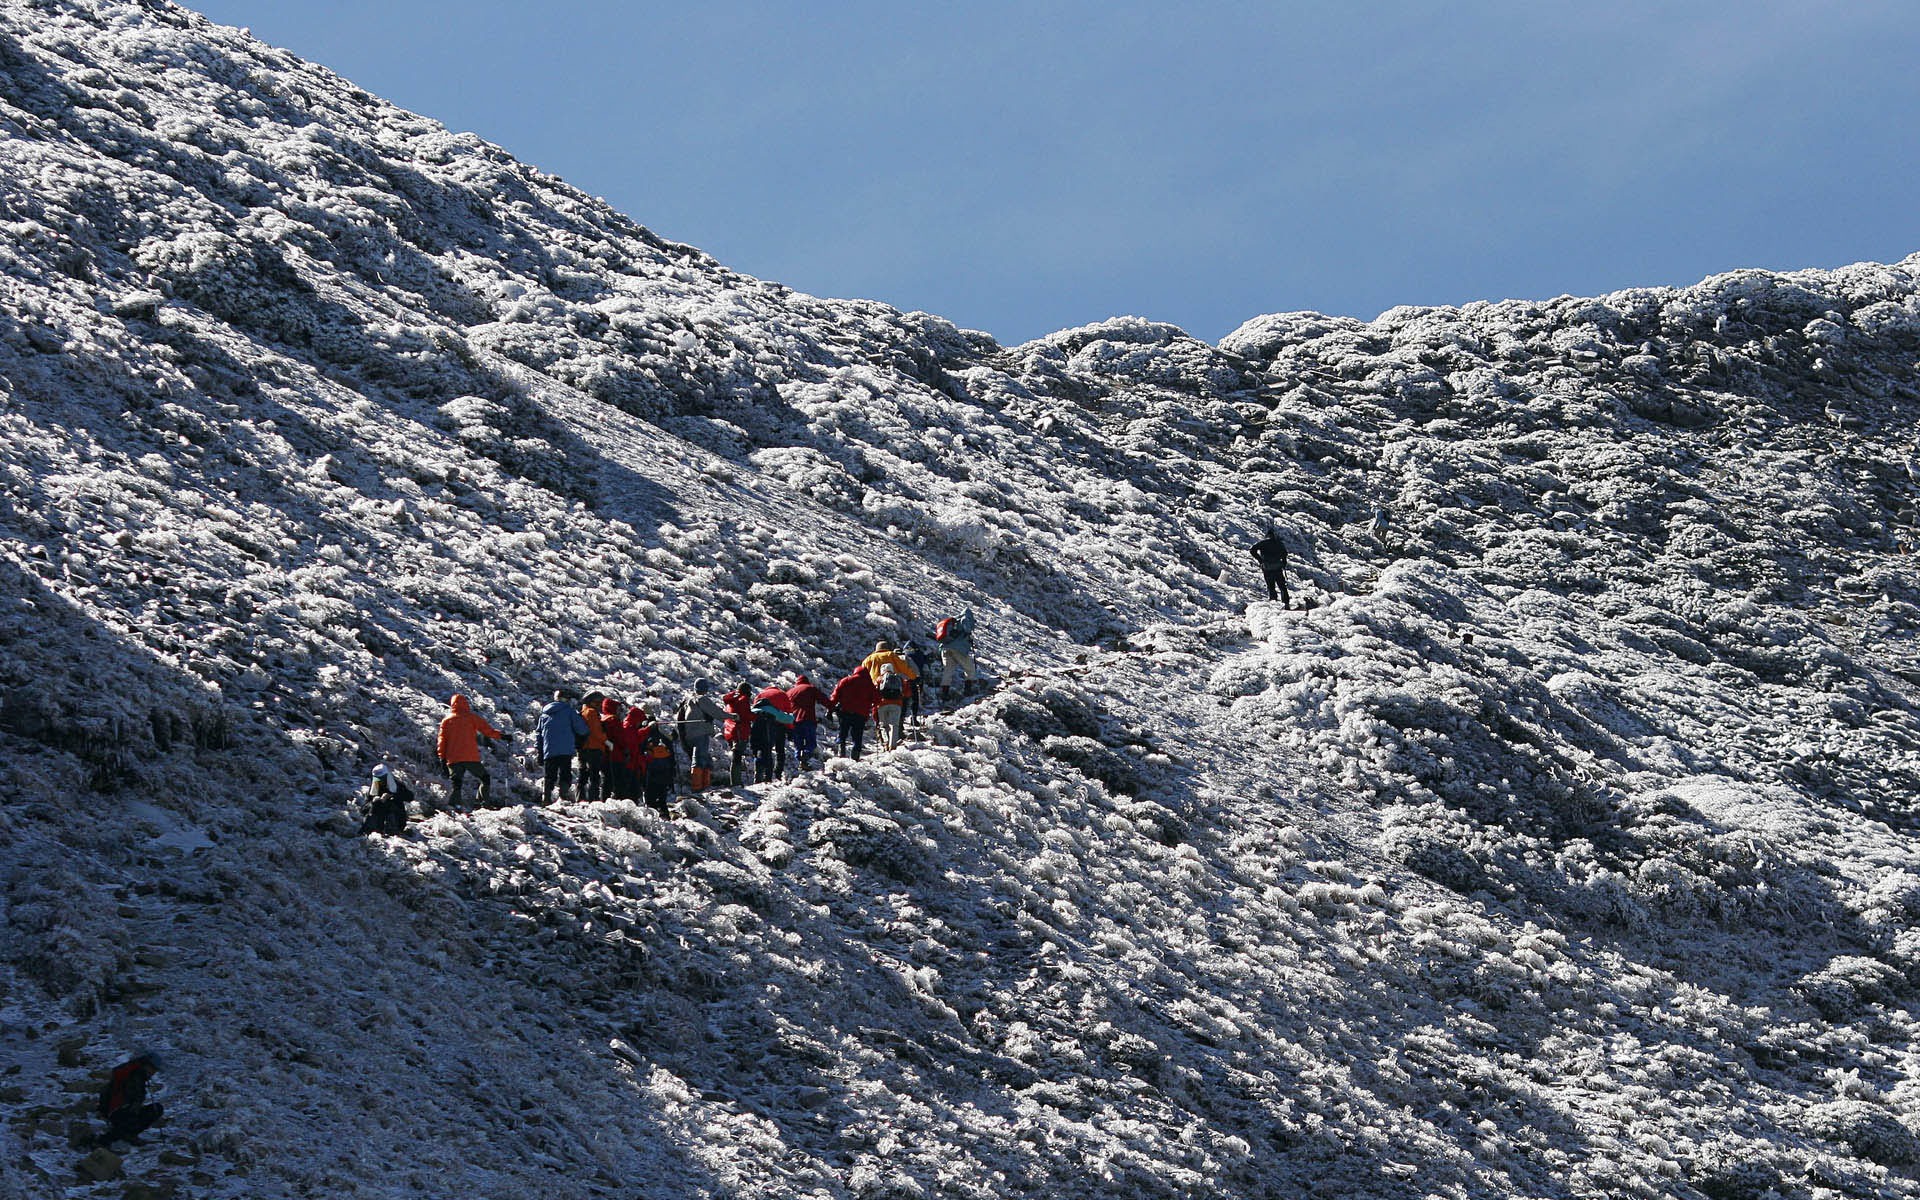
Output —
<point x="853" y="732"/>
<point x="593" y="775"/>
<point x="559" y="769"/>
<point x="387" y="814"/>
<point x="130" y="1122"/>
<point x="1277" y="584"/>
<point x="659" y="784"/>
<point x="769" y="750"/>
<point x="806" y="741"/>
<point x="458" y="775"/>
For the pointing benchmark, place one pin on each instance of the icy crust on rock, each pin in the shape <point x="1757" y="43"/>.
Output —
<point x="1561" y="847"/>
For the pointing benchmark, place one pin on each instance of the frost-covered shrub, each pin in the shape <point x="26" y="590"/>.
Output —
<point x="1436" y="858"/>
<point x="1849" y="985"/>
<point x="1732" y="1168"/>
<point x="62" y="936"/>
<point x="1867" y="1129"/>
<point x="875" y="843"/>
<point x="1117" y="771"/>
<point x="240" y="278"/>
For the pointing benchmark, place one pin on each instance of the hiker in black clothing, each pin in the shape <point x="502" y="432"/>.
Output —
<point x="1271" y="553"/>
<point x="123" y="1102"/>
<point x="917" y="688"/>
<point x="387" y="798"/>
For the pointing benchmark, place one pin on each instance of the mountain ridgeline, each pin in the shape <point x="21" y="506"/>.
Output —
<point x="1559" y="840"/>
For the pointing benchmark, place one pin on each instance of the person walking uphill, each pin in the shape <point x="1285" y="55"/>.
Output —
<point x="854" y="698"/>
<point x="772" y="715"/>
<point x="807" y="700"/>
<point x="459" y="750"/>
<point x="560" y="732"/>
<point x="955" y="635"/>
<point x="884" y="655"/>
<point x="1271" y="553"/>
<point x="593" y="751"/>
<point x="123" y="1102"/>
<point x="697" y="718"/>
<point x="629" y="778"/>
<point x="738" y="732"/>
<point x="889" y="711"/>
<point x="657" y="770"/>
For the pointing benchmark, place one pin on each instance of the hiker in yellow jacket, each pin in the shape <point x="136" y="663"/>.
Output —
<point x="884" y="656"/>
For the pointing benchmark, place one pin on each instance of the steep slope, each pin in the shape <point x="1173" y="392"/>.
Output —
<point x="1560" y="846"/>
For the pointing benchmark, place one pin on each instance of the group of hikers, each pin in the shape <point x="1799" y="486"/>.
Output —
<point x="613" y="750"/>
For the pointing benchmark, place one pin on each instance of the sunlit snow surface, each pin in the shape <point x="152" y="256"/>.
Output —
<point x="1560" y="844"/>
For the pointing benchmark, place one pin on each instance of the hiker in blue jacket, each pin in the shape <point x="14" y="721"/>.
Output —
<point x="560" y="732"/>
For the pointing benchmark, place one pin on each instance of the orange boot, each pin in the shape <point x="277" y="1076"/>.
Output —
<point x="702" y="776"/>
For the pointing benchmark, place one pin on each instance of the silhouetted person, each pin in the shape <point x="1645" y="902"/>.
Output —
<point x="1271" y="553"/>
<point x="123" y="1102"/>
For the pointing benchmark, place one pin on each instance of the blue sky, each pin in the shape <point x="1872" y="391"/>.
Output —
<point x="1025" y="167"/>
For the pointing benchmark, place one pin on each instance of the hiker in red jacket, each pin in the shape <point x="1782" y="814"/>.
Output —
<point x="123" y="1102"/>
<point x="854" y="699"/>
<point x="772" y="716"/>
<point x="738" y="730"/>
<point x="807" y="700"/>
<point x="632" y="755"/>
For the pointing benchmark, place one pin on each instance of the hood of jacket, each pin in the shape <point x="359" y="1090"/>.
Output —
<point x="458" y="706"/>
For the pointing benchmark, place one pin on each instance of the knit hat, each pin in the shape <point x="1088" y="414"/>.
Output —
<point x="702" y="686"/>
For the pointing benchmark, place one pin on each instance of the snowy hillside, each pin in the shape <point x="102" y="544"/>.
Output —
<point x="1560" y="841"/>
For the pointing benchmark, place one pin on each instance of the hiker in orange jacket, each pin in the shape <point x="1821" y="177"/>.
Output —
<point x="459" y="749"/>
<point x="593" y="750"/>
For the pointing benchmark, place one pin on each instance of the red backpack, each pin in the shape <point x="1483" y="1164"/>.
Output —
<point x="943" y="630"/>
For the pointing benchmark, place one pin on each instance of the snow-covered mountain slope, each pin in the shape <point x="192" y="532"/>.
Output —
<point x="1560" y="845"/>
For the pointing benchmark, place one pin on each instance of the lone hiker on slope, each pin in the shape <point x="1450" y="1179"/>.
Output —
<point x="459" y="750"/>
<point x="1271" y="553"/>
<point x="123" y="1102"/>
<point x="955" y="635"/>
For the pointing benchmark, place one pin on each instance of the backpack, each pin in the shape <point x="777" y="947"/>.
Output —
<point x="892" y="687"/>
<point x="654" y="745"/>
<point x="943" y="630"/>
